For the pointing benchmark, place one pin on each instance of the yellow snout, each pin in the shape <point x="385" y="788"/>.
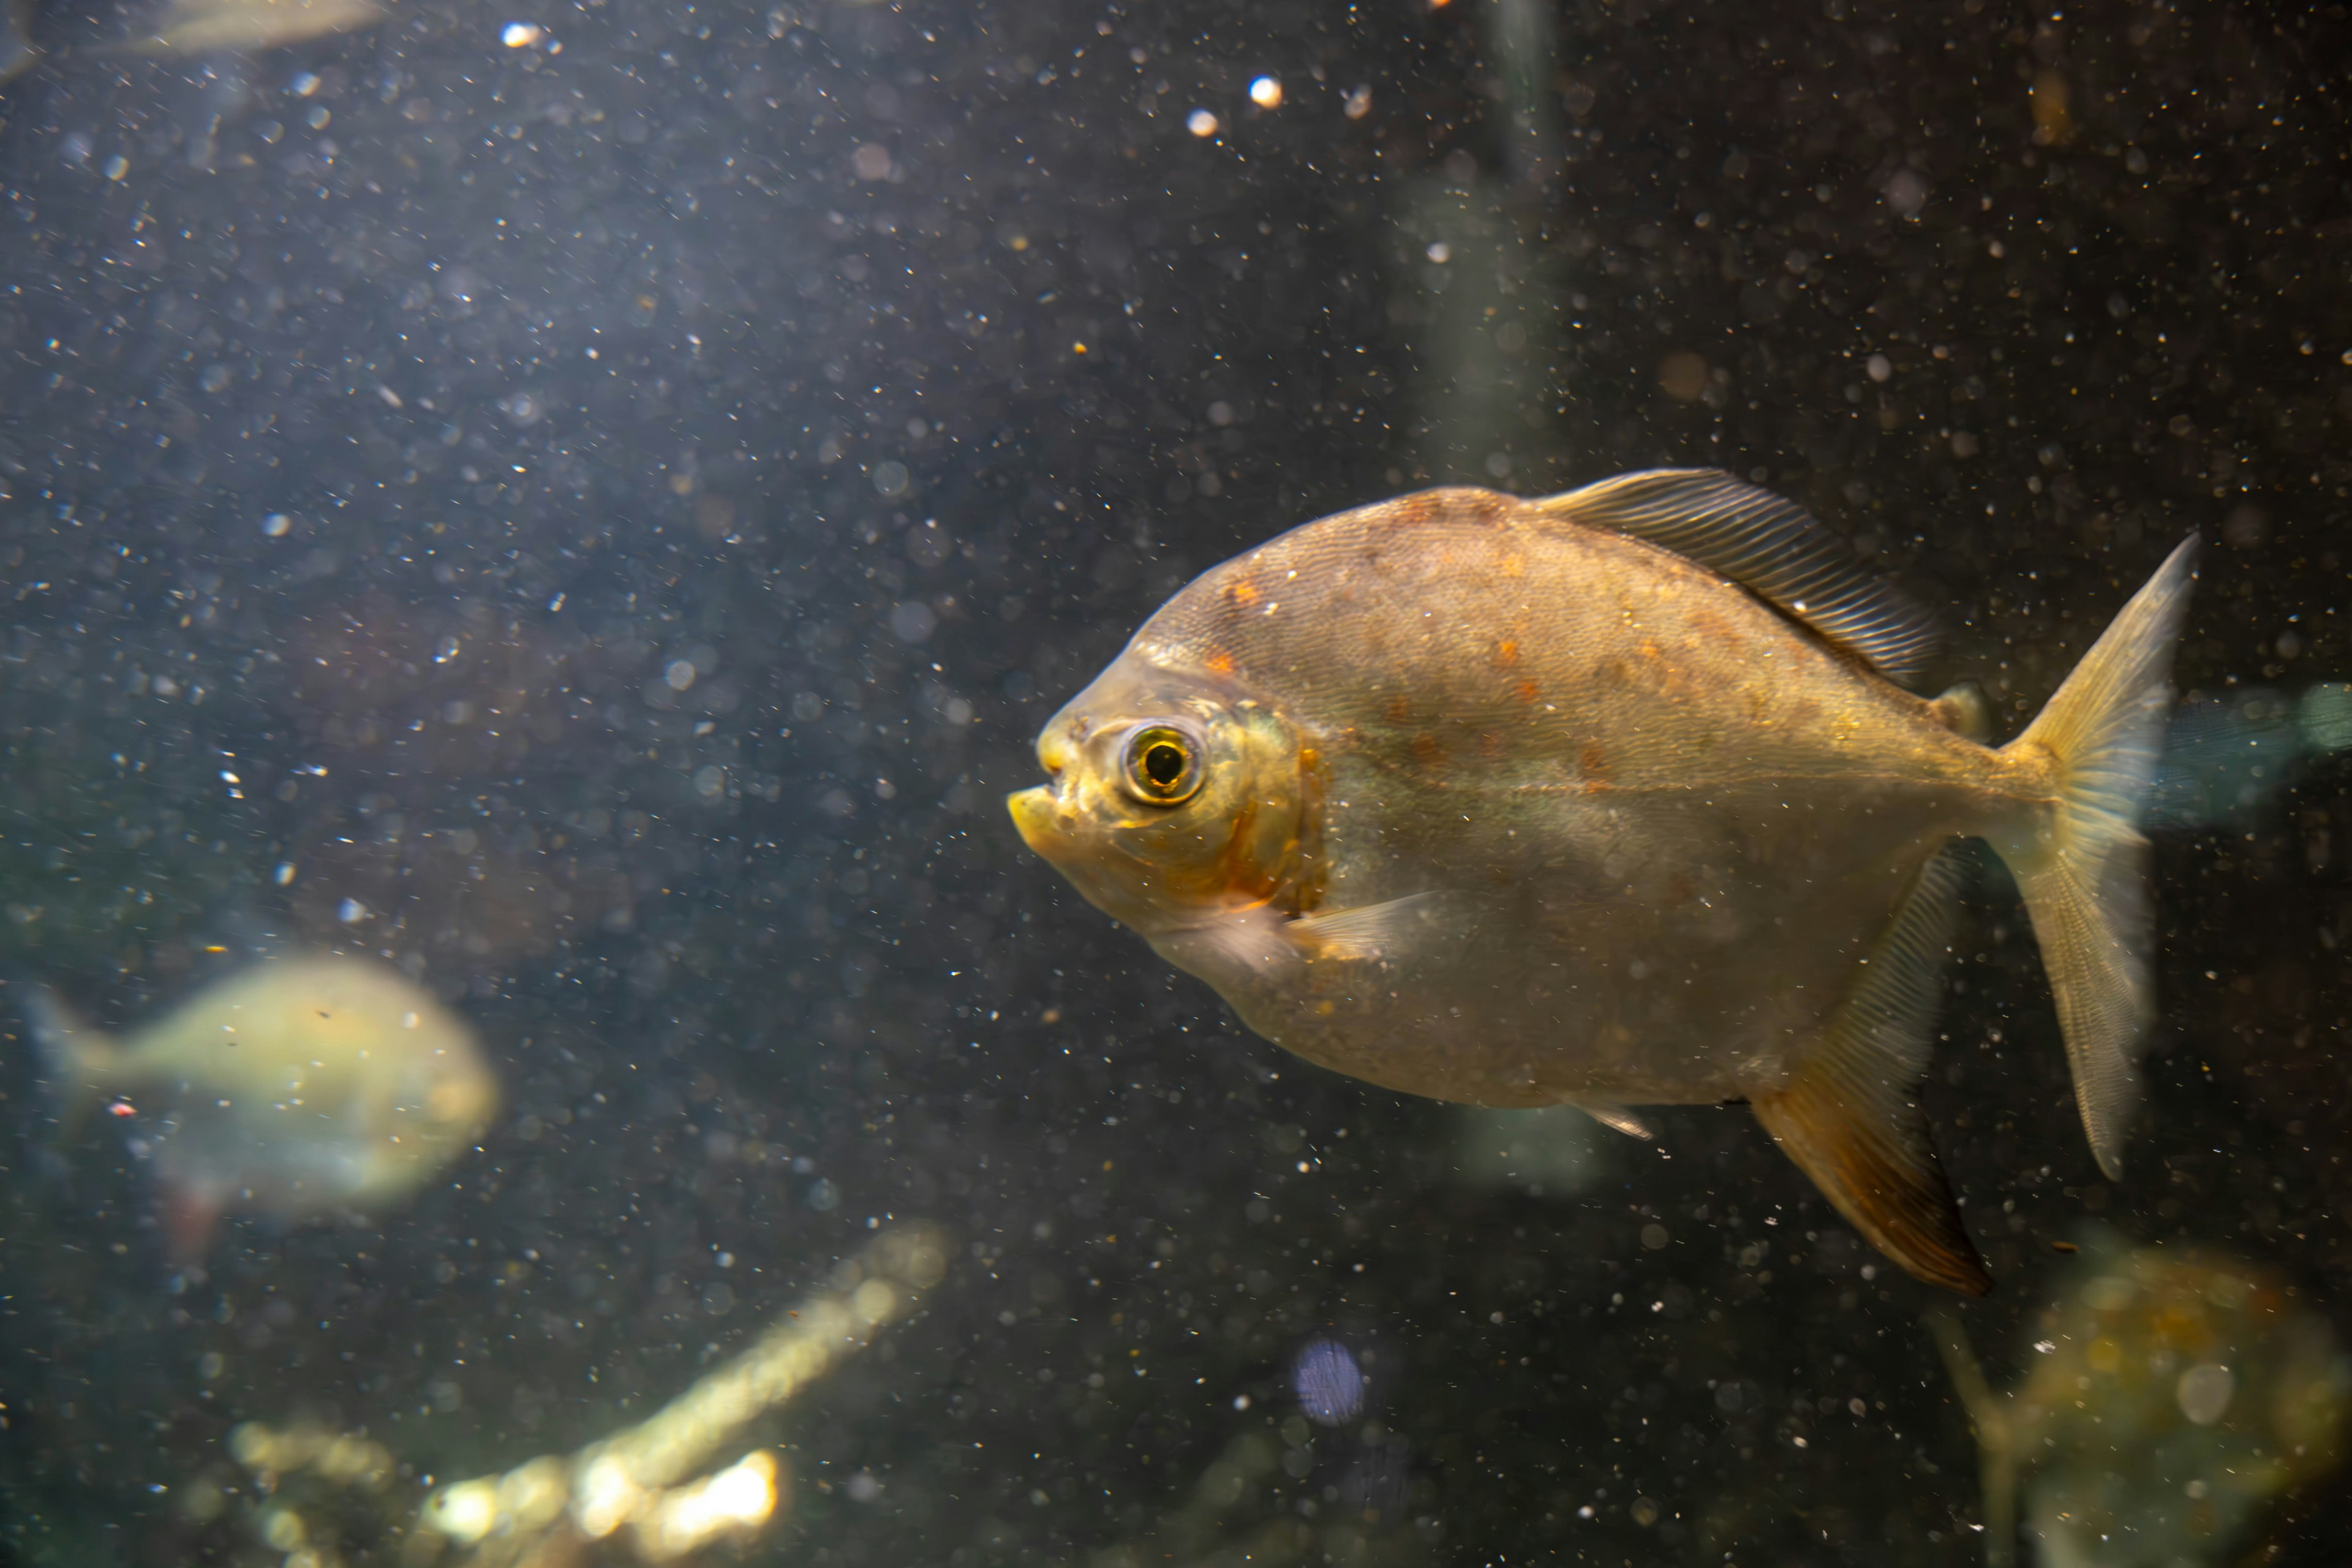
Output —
<point x="1039" y="819"/>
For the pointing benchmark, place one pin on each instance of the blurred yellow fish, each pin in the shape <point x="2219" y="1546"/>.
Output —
<point x="297" y="1086"/>
<point x="1610" y="799"/>
<point x="200" y="27"/>
<point x="2176" y="1396"/>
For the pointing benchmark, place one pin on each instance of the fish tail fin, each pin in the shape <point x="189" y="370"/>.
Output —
<point x="1850" y="1115"/>
<point x="80" y="1063"/>
<point x="2083" y="864"/>
<point x="1996" y="1439"/>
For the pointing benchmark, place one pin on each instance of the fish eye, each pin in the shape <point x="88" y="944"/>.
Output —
<point x="1162" y="764"/>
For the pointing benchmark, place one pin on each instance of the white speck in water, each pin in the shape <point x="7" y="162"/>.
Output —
<point x="304" y="84"/>
<point x="1879" y="366"/>
<point x="522" y="35"/>
<point x="1201" y="122"/>
<point x="275" y="524"/>
<point x="1267" y="92"/>
<point x="351" y="912"/>
<point x="284" y="874"/>
<point x="679" y="675"/>
<point x="117" y="166"/>
<point x="1359" y="103"/>
<point x="1440" y="252"/>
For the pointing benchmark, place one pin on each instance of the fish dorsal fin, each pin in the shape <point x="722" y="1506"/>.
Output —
<point x="1768" y="545"/>
<point x="1851" y="1116"/>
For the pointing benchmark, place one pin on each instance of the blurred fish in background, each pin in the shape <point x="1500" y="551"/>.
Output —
<point x="2231" y="755"/>
<point x="296" y="1087"/>
<point x="201" y="26"/>
<point x="184" y="28"/>
<point x="2176" y="1399"/>
<point x="18" y="54"/>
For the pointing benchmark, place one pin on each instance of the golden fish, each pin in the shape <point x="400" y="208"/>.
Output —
<point x="1610" y="799"/>
<point x="2175" y="1398"/>
<point x="297" y="1086"/>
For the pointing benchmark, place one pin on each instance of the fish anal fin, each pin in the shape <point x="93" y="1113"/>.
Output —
<point x="1850" y="1117"/>
<point x="1617" y="1118"/>
<point x="1768" y="545"/>
<point x="1368" y="932"/>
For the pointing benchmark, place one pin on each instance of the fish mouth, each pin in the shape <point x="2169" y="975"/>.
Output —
<point x="1039" y="817"/>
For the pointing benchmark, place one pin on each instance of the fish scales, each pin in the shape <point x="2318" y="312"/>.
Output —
<point x="1497" y="801"/>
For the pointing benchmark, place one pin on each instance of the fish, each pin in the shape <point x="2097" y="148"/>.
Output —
<point x="1613" y="798"/>
<point x="2176" y="1396"/>
<point x="297" y="1086"/>
<point x="201" y="26"/>
<point x="18" y="53"/>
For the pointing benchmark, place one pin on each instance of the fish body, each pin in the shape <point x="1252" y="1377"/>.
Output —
<point x="1607" y="799"/>
<point x="298" y="1086"/>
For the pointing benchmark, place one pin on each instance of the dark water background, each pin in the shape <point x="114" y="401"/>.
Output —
<point x="696" y="499"/>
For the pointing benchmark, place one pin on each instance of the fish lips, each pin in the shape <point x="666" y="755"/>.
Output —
<point x="1040" y="822"/>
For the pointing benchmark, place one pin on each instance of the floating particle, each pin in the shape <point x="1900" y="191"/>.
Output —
<point x="1267" y="92"/>
<point x="522" y="35"/>
<point x="1880" y="367"/>
<point x="1683" y="376"/>
<point x="1440" y="252"/>
<point x="1358" y="103"/>
<point x="117" y="166"/>
<point x="275" y="524"/>
<point x="1328" y="1383"/>
<point x="1201" y="122"/>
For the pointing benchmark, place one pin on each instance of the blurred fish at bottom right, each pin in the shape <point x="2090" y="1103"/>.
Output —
<point x="2177" y="1401"/>
<point x="2230" y="755"/>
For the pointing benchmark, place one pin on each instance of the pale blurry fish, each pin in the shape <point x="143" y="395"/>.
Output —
<point x="1610" y="799"/>
<point x="18" y="54"/>
<point x="200" y="27"/>
<point x="297" y="1086"/>
<point x="2173" y="1397"/>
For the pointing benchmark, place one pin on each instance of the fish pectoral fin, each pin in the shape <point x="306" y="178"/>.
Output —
<point x="1850" y="1117"/>
<point x="1616" y="1117"/>
<point x="1253" y="939"/>
<point x="1768" y="545"/>
<point x="1372" y="932"/>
